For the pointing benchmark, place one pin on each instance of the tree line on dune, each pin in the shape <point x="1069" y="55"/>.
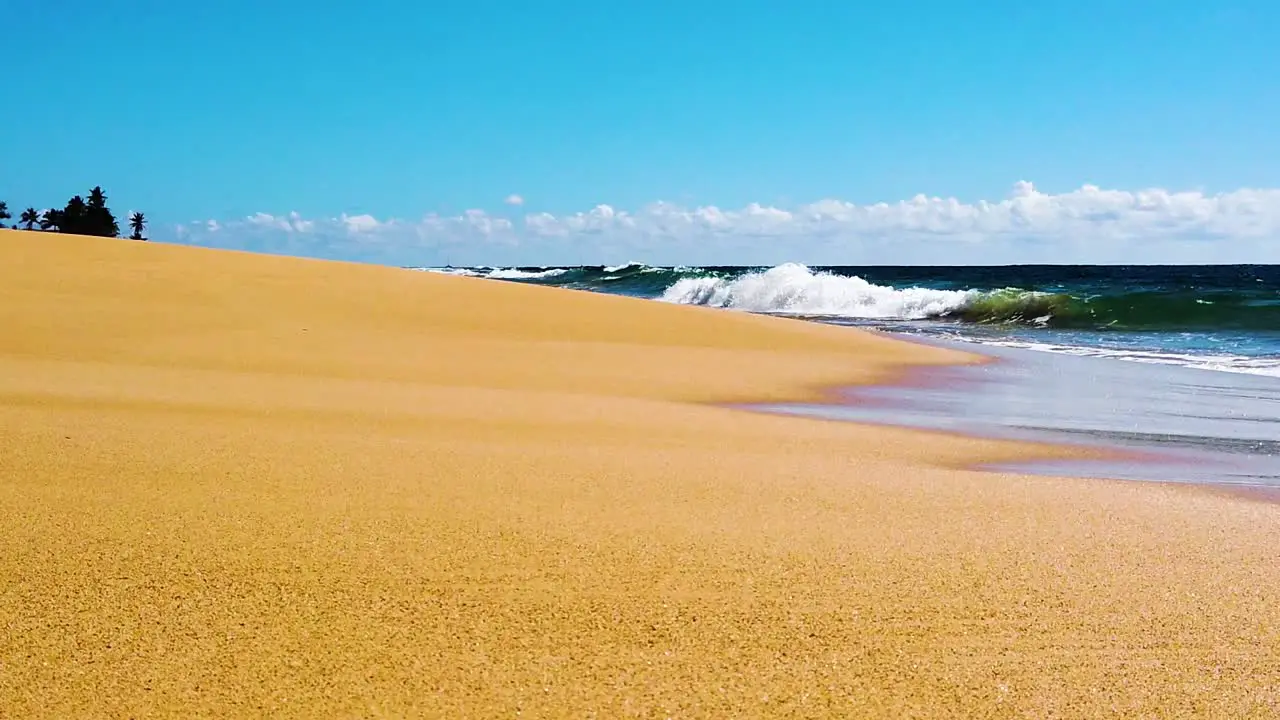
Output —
<point x="78" y="217"/>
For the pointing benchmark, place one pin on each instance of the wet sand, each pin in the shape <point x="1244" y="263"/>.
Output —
<point x="1153" y="422"/>
<point x="237" y="485"/>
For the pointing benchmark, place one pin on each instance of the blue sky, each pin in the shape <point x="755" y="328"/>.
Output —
<point x="398" y="110"/>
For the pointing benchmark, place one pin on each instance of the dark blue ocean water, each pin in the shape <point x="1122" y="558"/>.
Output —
<point x="1225" y="318"/>
<point x="1176" y="362"/>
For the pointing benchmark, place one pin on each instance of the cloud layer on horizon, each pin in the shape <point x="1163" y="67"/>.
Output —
<point x="1087" y="225"/>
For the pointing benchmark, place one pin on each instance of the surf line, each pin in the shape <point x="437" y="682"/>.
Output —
<point x="1046" y="455"/>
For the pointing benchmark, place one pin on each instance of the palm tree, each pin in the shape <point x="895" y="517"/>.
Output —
<point x="30" y="217"/>
<point x="4" y="210"/>
<point x="137" y="221"/>
<point x="74" y="217"/>
<point x="51" y="220"/>
<point x="98" y="219"/>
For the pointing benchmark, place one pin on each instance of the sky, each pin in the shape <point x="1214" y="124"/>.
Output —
<point x="500" y="133"/>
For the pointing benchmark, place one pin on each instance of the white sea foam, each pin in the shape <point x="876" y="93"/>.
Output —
<point x="795" y="289"/>
<point x="514" y="274"/>
<point x="1242" y="364"/>
<point x="463" y="272"/>
<point x="498" y="273"/>
<point x="624" y="266"/>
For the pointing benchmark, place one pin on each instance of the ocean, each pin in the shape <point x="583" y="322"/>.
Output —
<point x="1179" y="364"/>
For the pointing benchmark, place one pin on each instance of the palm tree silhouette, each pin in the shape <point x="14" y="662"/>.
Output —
<point x="30" y="217"/>
<point x="74" y="216"/>
<point x="51" y="220"/>
<point x="137" y="221"/>
<point x="4" y="210"/>
<point x="98" y="220"/>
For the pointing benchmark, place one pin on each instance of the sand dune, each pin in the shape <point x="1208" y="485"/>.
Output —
<point x="238" y="485"/>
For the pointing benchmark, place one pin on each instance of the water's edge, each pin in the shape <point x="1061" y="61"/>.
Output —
<point x="1148" y="423"/>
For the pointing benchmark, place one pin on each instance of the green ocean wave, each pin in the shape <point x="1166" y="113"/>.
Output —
<point x="1071" y="297"/>
<point x="1141" y="310"/>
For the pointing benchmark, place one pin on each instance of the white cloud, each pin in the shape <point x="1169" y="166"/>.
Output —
<point x="261" y="219"/>
<point x="359" y="223"/>
<point x="292" y="222"/>
<point x="1087" y="225"/>
<point x="298" y="224"/>
<point x="514" y="199"/>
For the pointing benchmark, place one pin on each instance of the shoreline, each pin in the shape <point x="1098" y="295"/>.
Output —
<point x="1033" y="452"/>
<point x="963" y="384"/>
<point x="240" y="484"/>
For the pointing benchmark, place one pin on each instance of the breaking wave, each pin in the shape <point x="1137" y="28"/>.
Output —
<point x="797" y="290"/>
<point x="1068" y="298"/>
<point x="1224" y="318"/>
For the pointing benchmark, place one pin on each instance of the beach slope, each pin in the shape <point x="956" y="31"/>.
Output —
<point x="240" y="485"/>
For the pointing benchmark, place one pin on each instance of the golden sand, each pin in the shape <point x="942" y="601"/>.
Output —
<point x="236" y="485"/>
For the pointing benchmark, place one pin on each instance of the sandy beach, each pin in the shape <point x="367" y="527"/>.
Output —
<point x="238" y="485"/>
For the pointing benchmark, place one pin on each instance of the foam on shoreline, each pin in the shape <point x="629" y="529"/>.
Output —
<point x="1162" y="423"/>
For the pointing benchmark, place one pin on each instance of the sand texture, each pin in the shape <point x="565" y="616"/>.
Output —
<point x="247" y="486"/>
